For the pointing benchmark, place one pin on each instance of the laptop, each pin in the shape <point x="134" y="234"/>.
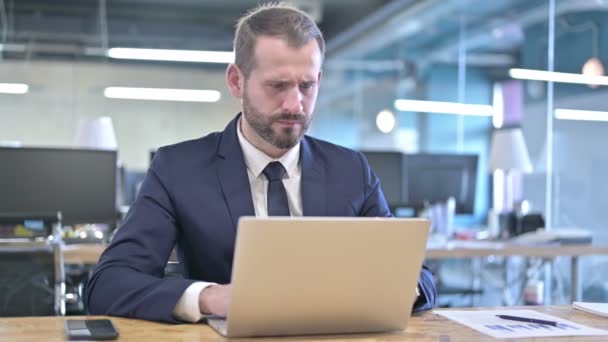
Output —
<point x="322" y="275"/>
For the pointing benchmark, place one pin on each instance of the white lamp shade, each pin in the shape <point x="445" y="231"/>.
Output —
<point x="97" y="133"/>
<point x="509" y="151"/>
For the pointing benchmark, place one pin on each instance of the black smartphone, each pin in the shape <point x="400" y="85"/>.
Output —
<point x="90" y="329"/>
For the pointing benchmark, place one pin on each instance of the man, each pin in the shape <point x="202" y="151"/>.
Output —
<point x="261" y="164"/>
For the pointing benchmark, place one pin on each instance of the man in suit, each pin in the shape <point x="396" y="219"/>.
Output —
<point x="261" y="164"/>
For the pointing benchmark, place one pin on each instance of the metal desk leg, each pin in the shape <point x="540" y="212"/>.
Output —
<point x="576" y="292"/>
<point x="476" y="281"/>
<point x="506" y="291"/>
<point x="548" y="283"/>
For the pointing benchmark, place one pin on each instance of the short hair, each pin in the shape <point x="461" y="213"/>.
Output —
<point x="276" y="20"/>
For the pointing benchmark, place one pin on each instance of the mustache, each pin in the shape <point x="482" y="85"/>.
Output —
<point x="289" y="117"/>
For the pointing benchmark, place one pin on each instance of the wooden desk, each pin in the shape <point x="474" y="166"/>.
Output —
<point x="89" y="254"/>
<point x="424" y="327"/>
<point x="82" y="253"/>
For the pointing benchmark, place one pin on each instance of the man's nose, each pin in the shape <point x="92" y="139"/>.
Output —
<point x="293" y="101"/>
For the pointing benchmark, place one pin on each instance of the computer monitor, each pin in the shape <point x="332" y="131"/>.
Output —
<point x="390" y="169"/>
<point x="432" y="178"/>
<point x="79" y="183"/>
<point x="411" y="180"/>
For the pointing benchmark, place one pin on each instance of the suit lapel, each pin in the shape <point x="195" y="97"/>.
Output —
<point x="314" y="189"/>
<point x="232" y="174"/>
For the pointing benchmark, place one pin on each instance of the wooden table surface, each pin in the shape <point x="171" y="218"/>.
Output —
<point x="423" y="327"/>
<point x="82" y="253"/>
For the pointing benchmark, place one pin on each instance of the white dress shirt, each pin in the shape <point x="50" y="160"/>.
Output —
<point x="187" y="307"/>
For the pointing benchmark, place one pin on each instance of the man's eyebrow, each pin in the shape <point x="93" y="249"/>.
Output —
<point x="283" y="81"/>
<point x="276" y="81"/>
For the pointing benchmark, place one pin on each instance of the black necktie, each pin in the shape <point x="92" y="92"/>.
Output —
<point x="277" y="197"/>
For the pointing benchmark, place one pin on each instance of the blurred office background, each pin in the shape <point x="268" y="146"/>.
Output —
<point x="470" y="62"/>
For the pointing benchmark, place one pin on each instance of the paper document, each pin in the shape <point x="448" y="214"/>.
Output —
<point x="485" y="321"/>
<point x="594" y="308"/>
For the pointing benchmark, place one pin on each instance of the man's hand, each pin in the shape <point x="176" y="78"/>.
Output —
<point x="215" y="300"/>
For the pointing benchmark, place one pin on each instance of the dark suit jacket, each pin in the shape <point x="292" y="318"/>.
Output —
<point x="192" y="197"/>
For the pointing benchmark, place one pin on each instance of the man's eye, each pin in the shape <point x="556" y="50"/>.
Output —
<point x="307" y="85"/>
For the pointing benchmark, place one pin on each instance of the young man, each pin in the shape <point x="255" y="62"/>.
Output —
<point x="261" y="164"/>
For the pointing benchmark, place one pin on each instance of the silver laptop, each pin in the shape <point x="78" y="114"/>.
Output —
<point x="320" y="275"/>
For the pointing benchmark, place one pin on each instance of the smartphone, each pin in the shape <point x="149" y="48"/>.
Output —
<point x="90" y="329"/>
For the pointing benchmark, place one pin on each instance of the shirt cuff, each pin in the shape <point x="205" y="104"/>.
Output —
<point x="187" y="307"/>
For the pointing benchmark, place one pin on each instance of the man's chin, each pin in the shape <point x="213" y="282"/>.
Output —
<point x="287" y="142"/>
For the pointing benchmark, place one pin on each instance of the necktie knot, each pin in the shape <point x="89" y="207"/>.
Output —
<point x="274" y="171"/>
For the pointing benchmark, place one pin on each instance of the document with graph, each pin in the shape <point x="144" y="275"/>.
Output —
<point x="488" y="322"/>
<point x="594" y="308"/>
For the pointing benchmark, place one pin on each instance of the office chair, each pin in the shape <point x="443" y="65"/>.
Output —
<point x="32" y="281"/>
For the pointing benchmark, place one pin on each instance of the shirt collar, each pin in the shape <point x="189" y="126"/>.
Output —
<point x="257" y="160"/>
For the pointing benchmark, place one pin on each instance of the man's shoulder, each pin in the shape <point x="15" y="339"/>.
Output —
<point x="202" y="147"/>
<point x="331" y="151"/>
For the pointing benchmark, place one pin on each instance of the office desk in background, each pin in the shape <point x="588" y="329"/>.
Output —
<point x="479" y="249"/>
<point x="89" y="254"/>
<point x="82" y="253"/>
<point x="422" y="327"/>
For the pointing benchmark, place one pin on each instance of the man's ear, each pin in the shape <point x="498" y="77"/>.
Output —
<point x="235" y="80"/>
<point x="319" y="77"/>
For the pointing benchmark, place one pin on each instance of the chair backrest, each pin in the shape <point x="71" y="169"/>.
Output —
<point x="32" y="280"/>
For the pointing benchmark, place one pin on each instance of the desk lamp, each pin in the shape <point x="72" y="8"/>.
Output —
<point x="510" y="155"/>
<point x="96" y="133"/>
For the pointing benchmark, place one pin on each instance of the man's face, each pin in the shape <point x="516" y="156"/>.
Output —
<point x="280" y="94"/>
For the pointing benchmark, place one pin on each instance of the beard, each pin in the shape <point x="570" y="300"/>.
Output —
<point x="284" y="137"/>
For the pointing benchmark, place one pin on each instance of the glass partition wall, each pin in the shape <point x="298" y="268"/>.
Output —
<point x="565" y="123"/>
<point x="537" y="64"/>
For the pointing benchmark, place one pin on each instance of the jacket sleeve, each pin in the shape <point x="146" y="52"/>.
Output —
<point x="128" y="280"/>
<point x="375" y="205"/>
<point x="428" y="291"/>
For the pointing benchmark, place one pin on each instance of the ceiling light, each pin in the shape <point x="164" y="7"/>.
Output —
<point x="582" y="115"/>
<point x="498" y="33"/>
<point x="14" y="88"/>
<point x="443" y="107"/>
<point x="160" y="94"/>
<point x="172" y="55"/>
<point x="560" y="77"/>
<point x="386" y="121"/>
<point x="10" y="47"/>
